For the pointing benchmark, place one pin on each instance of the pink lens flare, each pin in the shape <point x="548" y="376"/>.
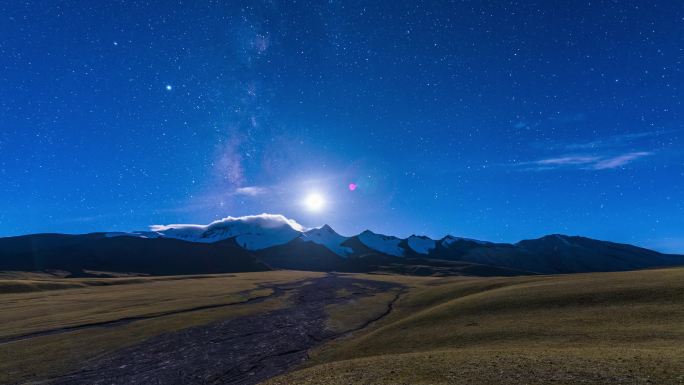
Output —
<point x="352" y="186"/>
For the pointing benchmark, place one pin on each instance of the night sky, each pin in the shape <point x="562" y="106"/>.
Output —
<point x="493" y="120"/>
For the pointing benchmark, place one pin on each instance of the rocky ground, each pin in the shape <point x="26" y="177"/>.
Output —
<point x="244" y="350"/>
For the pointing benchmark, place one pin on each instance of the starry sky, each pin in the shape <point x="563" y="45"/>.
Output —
<point x="493" y="120"/>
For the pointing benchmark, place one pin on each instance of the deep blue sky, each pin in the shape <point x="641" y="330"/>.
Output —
<point x="496" y="121"/>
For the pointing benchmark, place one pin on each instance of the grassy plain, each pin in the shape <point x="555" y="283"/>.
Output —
<point x="83" y="301"/>
<point x="601" y="328"/>
<point x="357" y="313"/>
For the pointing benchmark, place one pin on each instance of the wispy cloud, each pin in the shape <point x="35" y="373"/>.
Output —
<point x="586" y="162"/>
<point x="251" y="190"/>
<point x="568" y="160"/>
<point x="620" y="160"/>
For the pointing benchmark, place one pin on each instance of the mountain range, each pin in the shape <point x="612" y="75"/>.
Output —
<point x="268" y="241"/>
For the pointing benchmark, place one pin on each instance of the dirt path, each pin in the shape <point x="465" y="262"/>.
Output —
<point x="245" y="350"/>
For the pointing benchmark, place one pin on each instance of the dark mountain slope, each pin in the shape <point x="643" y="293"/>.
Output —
<point x="571" y="254"/>
<point x="555" y="254"/>
<point x="551" y="254"/>
<point x="158" y="256"/>
<point x="301" y="255"/>
<point x="360" y="249"/>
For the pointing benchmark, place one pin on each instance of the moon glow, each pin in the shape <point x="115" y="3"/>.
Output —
<point x="314" y="202"/>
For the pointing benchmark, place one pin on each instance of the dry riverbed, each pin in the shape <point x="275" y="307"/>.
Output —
<point x="243" y="350"/>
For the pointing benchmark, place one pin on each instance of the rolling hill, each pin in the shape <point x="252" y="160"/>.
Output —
<point x="596" y="328"/>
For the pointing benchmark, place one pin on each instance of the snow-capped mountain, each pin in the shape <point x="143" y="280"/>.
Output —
<point x="383" y="243"/>
<point x="327" y="237"/>
<point x="268" y="241"/>
<point x="252" y="232"/>
<point x="257" y="232"/>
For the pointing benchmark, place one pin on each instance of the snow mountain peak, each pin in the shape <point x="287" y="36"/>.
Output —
<point x="256" y="232"/>
<point x="252" y="232"/>
<point x="329" y="238"/>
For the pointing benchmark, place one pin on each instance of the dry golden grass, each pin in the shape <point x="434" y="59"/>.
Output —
<point x="48" y="356"/>
<point x="603" y="328"/>
<point x="9" y="274"/>
<point x="41" y="357"/>
<point x="510" y="366"/>
<point x="592" y="328"/>
<point x="114" y="298"/>
<point x="355" y="313"/>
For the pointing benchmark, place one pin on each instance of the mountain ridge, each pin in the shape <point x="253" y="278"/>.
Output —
<point x="269" y="241"/>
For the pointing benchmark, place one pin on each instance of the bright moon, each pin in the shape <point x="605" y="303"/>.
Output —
<point x="314" y="202"/>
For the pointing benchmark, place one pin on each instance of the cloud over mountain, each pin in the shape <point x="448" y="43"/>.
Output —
<point x="250" y="231"/>
<point x="263" y="220"/>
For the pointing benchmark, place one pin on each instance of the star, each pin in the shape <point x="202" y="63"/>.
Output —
<point x="168" y="87"/>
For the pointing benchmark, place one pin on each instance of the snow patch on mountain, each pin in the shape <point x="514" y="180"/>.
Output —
<point x="449" y="240"/>
<point x="382" y="243"/>
<point x="421" y="244"/>
<point x="327" y="237"/>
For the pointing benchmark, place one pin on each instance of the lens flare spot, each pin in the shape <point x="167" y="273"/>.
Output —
<point x="352" y="186"/>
